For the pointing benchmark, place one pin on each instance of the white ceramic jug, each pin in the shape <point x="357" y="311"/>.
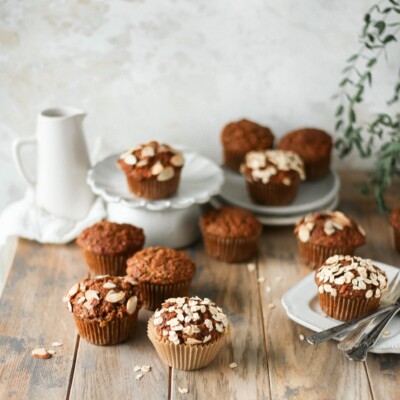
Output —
<point x="62" y="163"/>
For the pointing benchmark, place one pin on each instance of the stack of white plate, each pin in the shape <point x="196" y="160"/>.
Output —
<point x="313" y="196"/>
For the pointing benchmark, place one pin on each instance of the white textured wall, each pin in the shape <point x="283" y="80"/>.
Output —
<point x="173" y="69"/>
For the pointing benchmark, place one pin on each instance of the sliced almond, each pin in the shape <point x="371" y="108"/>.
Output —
<point x="130" y="280"/>
<point x="177" y="160"/>
<point x="131" y="305"/>
<point x="233" y="365"/>
<point x="41" y="353"/>
<point x="115" y="297"/>
<point x="81" y="300"/>
<point x="109" y="285"/>
<point x="74" y="290"/>
<point x="56" y="344"/>
<point x="142" y="163"/>
<point x="340" y="218"/>
<point x="304" y="234"/>
<point x="88" y="306"/>
<point x="166" y="174"/>
<point x="69" y="305"/>
<point x="286" y="181"/>
<point x="157" y="168"/>
<point x="148" y="151"/>
<point x="183" y="390"/>
<point x="91" y="294"/>
<point x="51" y="352"/>
<point x="361" y="230"/>
<point x="130" y="159"/>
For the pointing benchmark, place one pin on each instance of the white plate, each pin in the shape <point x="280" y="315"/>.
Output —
<point x="280" y="220"/>
<point x="200" y="179"/>
<point x="311" y="195"/>
<point x="301" y="304"/>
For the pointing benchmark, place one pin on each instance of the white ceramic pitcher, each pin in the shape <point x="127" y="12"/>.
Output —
<point x="62" y="163"/>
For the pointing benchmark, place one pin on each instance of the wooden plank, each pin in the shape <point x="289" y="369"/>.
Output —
<point x="234" y="288"/>
<point x="107" y="372"/>
<point x="33" y="315"/>
<point x="297" y="369"/>
<point x="383" y="369"/>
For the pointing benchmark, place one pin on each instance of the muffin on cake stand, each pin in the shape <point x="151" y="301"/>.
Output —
<point x="171" y="222"/>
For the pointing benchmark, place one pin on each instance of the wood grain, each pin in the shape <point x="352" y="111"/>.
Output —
<point x="107" y="372"/>
<point x="234" y="288"/>
<point x="33" y="315"/>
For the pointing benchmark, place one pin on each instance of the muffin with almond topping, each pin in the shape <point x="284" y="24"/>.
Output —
<point x="105" y="308"/>
<point x="152" y="170"/>
<point x="395" y="223"/>
<point x="314" y="146"/>
<point x="238" y="138"/>
<point x="188" y="333"/>
<point x="161" y="273"/>
<point x="272" y="176"/>
<point x="107" y="245"/>
<point x="349" y="287"/>
<point x="230" y="234"/>
<point x="326" y="233"/>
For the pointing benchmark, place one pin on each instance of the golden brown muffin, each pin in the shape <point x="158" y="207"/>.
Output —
<point x="107" y="245"/>
<point x="187" y="333"/>
<point x="152" y="170"/>
<point x="272" y="176"/>
<point x="105" y="308"/>
<point x="230" y="234"/>
<point x="323" y="234"/>
<point x="161" y="273"/>
<point x="238" y="138"/>
<point x="349" y="287"/>
<point x="314" y="146"/>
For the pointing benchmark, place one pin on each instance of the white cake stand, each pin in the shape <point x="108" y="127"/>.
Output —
<point x="169" y="222"/>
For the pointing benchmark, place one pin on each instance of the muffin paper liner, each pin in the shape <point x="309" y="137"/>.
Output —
<point x="230" y="249"/>
<point x="346" y="309"/>
<point x="155" y="295"/>
<point x="233" y="160"/>
<point x="317" y="169"/>
<point x="153" y="189"/>
<point x="272" y="194"/>
<point x="106" y="264"/>
<point x="113" y="332"/>
<point x="314" y="255"/>
<point x="396" y="239"/>
<point x="183" y="356"/>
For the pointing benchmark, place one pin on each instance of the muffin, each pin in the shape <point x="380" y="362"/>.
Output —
<point x="161" y="273"/>
<point x="152" y="170"/>
<point x="107" y="245"/>
<point x="395" y="223"/>
<point x="105" y="308"/>
<point x="230" y="234"/>
<point x="323" y="234"/>
<point x="349" y="287"/>
<point x="272" y="176"/>
<point x="188" y="333"/>
<point x="314" y="146"/>
<point x="238" y="138"/>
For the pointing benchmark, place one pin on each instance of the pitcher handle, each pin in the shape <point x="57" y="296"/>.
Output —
<point x="16" y="150"/>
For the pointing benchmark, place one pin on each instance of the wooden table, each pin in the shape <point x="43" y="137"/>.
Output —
<point x="273" y="363"/>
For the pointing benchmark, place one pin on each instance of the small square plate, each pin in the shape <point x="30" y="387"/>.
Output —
<point x="302" y="306"/>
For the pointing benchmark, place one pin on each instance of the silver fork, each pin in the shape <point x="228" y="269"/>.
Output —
<point x="353" y="338"/>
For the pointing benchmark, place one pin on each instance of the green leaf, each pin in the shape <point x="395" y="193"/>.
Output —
<point x="371" y="62"/>
<point x="367" y="18"/>
<point x="369" y="77"/>
<point x="352" y="58"/>
<point x="371" y="38"/>
<point x="338" y="124"/>
<point x="380" y="26"/>
<point x="339" y="110"/>
<point x="394" y="2"/>
<point x="389" y="38"/>
<point x="352" y="116"/>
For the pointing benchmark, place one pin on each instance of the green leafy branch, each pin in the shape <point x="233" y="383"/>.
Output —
<point x="381" y="27"/>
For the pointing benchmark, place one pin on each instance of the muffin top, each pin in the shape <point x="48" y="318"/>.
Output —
<point x="350" y="277"/>
<point x="394" y="218"/>
<point x="103" y="298"/>
<point x="108" y="238"/>
<point x="243" y="136"/>
<point x="310" y="143"/>
<point x="160" y="266"/>
<point x="189" y="320"/>
<point x="330" y="229"/>
<point x="231" y="222"/>
<point x="275" y="166"/>
<point x="152" y="160"/>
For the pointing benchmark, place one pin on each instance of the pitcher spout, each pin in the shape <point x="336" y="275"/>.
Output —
<point x="60" y="113"/>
